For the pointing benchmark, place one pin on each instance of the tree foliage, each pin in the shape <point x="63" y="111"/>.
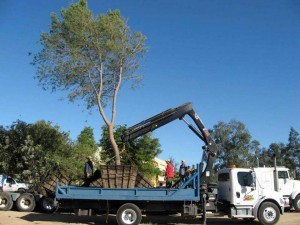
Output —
<point x="33" y="151"/>
<point x="234" y="142"/>
<point x="254" y="149"/>
<point x="140" y="152"/>
<point x="277" y="150"/>
<point x="84" y="146"/>
<point x="90" y="56"/>
<point x="286" y="154"/>
<point x="236" y="147"/>
<point x="293" y="152"/>
<point x="266" y="158"/>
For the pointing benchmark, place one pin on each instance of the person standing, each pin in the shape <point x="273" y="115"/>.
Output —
<point x="88" y="168"/>
<point x="182" y="172"/>
<point x="169" y="174"/>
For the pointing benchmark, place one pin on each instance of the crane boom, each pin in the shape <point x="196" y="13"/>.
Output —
<point x="170" y="115"/>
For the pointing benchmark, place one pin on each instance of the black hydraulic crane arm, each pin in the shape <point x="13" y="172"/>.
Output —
<point x="170" y="115"/>
<point x="157" y="121"/>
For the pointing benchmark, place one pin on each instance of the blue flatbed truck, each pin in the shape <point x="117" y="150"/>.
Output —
<point x="129" y="203"/>
<point x="190" y="198"/>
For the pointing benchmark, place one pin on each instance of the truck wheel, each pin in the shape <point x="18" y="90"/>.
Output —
<point x="26" y="202"/>
<point x="47" y="205"/>
<point x="129" y="214"/>
<point x="268" y="213"/>
<point x="297" y="203"/>
<point x="6" y="203"/>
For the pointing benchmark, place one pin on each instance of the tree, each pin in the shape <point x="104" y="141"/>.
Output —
<point x="140" y="151"/>
<point x="266" y="158"/>
<point x="293" y="152"/>
<point x="86" y="138"/>
<point x="90" y="56"/>
<point x="11" y="142"/>
<point x="33" y="151"/>
<point x="278" y="150"/>
<point x="255" y="152"/>
<point x="4" y="154"/>
<point x="233" y="140"/>
<point x="85" y="146"/>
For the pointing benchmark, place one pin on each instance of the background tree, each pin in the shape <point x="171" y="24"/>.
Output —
<point x="33" y="151"/>
<point x="12" y="141"/>
<point x="293" y="152"/>
<point x="85" y="146"/>
<point x="140" y="151"/>
<point x="266" y="158"/>
<point x="233" y="140"/>
<point x="278" y="150"/>
<point x="90" y="56"/>
<point x="3" y="152"/>
<point x="255" y="151"/>
<point x="87" y="140"/>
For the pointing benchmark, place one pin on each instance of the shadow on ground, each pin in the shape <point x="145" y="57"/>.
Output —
<point x="69" y="218"/>
<point x="111" y="219"/>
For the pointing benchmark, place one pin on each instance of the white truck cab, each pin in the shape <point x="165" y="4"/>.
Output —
<point x="278" y="179"/>
<point x="241" y="197"/>
<point x="10" y="184"/>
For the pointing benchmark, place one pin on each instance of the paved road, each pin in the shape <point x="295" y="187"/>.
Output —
<point x="23" y="218"/>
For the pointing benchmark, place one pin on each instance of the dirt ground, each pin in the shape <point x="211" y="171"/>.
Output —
<point x="23" y="218"/>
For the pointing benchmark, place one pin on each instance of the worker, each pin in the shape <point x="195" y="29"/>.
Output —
<point x="191" y="170"/>
<point x="88" y="168"/>
<point x="182" y="172"/>
<point x="169" y="173"/>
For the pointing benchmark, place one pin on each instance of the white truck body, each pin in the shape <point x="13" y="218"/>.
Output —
<point x="10" y="184"/>
<point x="242" y="197"/>
<point x="278" y="179"/>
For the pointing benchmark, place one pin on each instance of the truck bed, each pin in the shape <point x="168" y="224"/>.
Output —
<point x="131" y="194"/>
<point x="189" y="191"/>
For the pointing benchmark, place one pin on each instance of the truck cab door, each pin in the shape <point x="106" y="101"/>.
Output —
<point x="284" y="183"/>
<point x="245" y="191"/>
<point x="10" y="184"/>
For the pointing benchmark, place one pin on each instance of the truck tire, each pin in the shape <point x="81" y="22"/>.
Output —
<point x="6" y="203"/>
<point x="26" y="202"/>
<point x="47" y="204"/>
<point x="268" y="213"/>
<point x="129" y="214"/>
<point x="297" y="203"/>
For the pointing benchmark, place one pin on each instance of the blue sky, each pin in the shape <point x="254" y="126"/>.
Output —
<point x="231" y="59"/>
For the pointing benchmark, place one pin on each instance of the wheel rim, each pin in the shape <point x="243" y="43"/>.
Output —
<point x="298" y="203"/>
<point x="269" y="214"/>
<point x="3" y="202"/>
<point x="129" y="216"/>
<point x="25" y="203"/>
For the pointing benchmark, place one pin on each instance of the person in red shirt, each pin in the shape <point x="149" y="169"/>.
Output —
<point x="169" y="173"/>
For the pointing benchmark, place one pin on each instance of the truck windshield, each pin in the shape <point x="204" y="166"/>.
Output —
<point x="245" y="178"/>
<point x="10" y="180"/>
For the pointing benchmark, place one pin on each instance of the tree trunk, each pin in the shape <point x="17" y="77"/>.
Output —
<point x="114" y="144"/>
